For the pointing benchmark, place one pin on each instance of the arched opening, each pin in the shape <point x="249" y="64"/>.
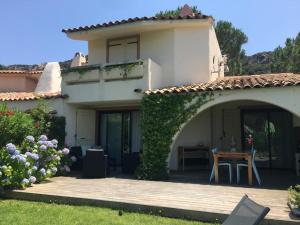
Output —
<point x="225" y="125"/>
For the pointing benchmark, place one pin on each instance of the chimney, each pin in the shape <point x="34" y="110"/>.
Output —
<point x="186" y="11"/>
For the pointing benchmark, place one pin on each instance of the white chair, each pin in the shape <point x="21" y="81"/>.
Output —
<point x="245" y="164"/>
<point x="220" y="163"/>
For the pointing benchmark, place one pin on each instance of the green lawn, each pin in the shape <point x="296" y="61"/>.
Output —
<point x="25" y="212"/>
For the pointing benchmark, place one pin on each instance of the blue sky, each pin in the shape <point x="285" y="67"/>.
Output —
<point x="31" y="30"/>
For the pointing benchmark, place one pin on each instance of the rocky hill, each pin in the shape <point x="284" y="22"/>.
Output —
<point x="258" y="63"/>
<point x="63" y="65"/>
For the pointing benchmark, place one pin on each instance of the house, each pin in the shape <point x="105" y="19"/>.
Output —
<point x="127" y="57"/>
<point x="171" y="55"/>
<point x="18" y="80"/>
<point x="22" y="89"/>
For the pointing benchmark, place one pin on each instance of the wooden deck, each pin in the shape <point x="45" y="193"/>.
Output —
<point x="175" y="199"/>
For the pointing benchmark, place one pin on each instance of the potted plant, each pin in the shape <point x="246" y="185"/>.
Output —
<point x="294" y="199"/>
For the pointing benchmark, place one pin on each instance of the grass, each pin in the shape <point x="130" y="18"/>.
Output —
<point x="25" y="212"/>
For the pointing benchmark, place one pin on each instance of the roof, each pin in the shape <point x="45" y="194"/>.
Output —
<point x="235" y="83"/>
<point x="20" y="72"/>
<point x="25" y="96"/>
<point x="136" y="19"/>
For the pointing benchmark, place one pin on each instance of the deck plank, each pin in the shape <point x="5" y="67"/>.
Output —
<point x="202" y="199"/>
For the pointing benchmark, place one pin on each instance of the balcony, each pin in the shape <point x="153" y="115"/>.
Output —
<point x="110" y="82"/>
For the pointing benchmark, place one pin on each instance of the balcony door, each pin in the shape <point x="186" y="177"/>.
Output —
<point x="272" y="133"/>
<point x="123" y="50"/>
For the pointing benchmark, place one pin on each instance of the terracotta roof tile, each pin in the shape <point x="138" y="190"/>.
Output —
<point x="236" y="83"/>
<point x="25" y="96"/>
<point x="20" y="72"/>
<point x="132" y="20"/>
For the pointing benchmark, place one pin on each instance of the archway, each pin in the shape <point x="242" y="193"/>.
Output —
<point x="258" y="98"/>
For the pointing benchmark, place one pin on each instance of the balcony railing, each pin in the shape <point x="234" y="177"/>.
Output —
<point x="108" y="72"/>
<point x="110" y="81"/>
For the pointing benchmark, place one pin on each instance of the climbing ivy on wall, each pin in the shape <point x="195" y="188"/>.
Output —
<point x="161" y="118"/>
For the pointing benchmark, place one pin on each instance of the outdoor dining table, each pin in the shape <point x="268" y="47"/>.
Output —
<point x="233" y="155"/>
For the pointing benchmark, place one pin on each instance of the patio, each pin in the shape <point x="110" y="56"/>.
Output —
<point x="174" y="198"/>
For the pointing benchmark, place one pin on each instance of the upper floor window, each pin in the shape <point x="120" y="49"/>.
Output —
<point x="123" y="49"/>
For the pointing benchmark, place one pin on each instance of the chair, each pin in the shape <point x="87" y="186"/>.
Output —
<point x="247" y="212"/>
<point x="94" y="164"/>
<point x="245" y="164"/>
<point x="221" y="163"/>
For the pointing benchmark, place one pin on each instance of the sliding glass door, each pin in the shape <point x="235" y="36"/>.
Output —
<point x="120" y="137"/>
<point x="272" y="133"/>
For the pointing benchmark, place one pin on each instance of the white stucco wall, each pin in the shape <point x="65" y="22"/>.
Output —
<point x="182" y="53"/>
<point x="159" y="46"/>
<point x="214" y="55"/>
<point x="54" y="104"/>
<point x="191" y="55"/>
<point x="97" y="51"/>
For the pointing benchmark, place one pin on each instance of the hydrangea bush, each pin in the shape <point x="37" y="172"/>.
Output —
<point x="33" y="161"/>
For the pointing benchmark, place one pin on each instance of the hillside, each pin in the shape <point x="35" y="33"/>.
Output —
<point x="258" y="63"/>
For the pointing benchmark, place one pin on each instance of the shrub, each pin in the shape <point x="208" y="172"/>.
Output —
<point x="14" y="126"/>
<point x="294" y="196"/>
<point x="46" y="122"/>
<point x="33" y="161"/>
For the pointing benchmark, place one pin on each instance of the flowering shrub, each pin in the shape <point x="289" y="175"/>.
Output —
<point x="14" y="125"/>
<point x="33" y="161"/>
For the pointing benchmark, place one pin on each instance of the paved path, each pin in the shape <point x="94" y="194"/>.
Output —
<point x="198" y="201"/>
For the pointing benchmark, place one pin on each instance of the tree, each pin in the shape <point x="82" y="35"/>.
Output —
<point x="175" y="13"/>
<point x="231" y="40"/>
<point x="287" y="58"/>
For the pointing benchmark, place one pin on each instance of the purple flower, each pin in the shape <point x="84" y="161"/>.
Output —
<point x="29" y="172"/>
<point x="54" y="142"/>
<point x="35" y="156"/>
<point x="65" y="151"/>
<point x="32" y="179"/>
<point x="53" y="170"/>
<point x="30" y="139"/>
<point x="42" y="142"/>
<point x="21" y="159"/>
<point x="49" y="144"/>
<point x="11" y="148"/>
<point x="43" y="138"/>
<point x="43" y="147"/>
<point x="17" y="152"/>
<point x="43" y="171"/>
<point x="73" y="158"/>
<point x="67" y="168"/>
<point x="25" y="181"/>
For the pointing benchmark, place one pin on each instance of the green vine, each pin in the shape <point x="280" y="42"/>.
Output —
<point x="81" y="69"/>
<point x="161" y="118"/>
<point x="126" y="67"/>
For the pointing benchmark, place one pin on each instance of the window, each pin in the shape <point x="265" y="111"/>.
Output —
<point x="123" y="49"/>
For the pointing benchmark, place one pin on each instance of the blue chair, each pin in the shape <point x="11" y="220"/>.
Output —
<point x="221" y="163"/>
<point x="245" y="164"/>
